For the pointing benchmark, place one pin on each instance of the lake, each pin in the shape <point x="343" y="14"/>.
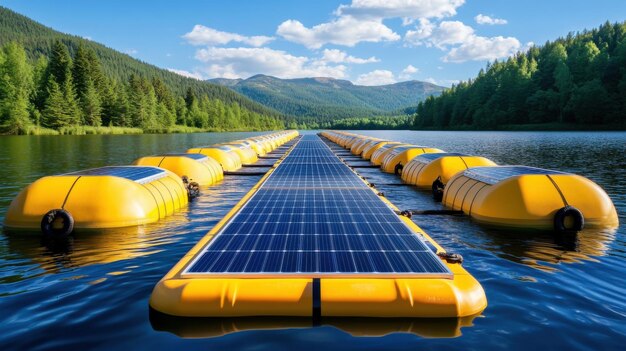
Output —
<point x="543" y="291"/>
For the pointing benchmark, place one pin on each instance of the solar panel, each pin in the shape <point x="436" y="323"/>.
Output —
<point x="139" y="174"/>
<point x="313" y="216"/>
<point x="428" y="158"/>
<point x="197" y="157"/>
<point x="493" y="175"/>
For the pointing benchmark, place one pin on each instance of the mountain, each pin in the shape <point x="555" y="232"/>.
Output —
<point x="38" y="40"/>
<point x="328" y="98"/>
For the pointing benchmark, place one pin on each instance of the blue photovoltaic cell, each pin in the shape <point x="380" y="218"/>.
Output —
<point x="428" y="158"/>
<point x="315" y="216"/>
<point x="196" y="157"/>
<point x="493" y="175"/>
<point x="139" y="174"/>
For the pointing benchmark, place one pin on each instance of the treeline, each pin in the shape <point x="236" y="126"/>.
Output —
<point x="363" y="123"/>
<point x="59" y="91"/>
<point x="577" y="80"/>
<point x="39" y="40"/>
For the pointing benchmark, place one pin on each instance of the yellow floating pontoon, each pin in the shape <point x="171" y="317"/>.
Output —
<point x="286" y="250"/>
<point x="397" y="157"/>
<point x="423" y="170"/>
<point x="379" y="155"/>
<point x="226" y="156"/>
<point x="357" y="148"/>
<point x="197" y="168"/>
<point x="369" y="150"/>
<point x="527" y="197"/>
<point x="245" y="152"/>
<point x="106" y="197"/>
<point x="260" y="150"/>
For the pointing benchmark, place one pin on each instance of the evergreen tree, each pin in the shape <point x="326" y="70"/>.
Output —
<point x="15" y="89"/>
<point x="55" y="114"/>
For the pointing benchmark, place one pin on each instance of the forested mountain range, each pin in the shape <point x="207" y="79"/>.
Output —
<point x="574" y="82"/>
<point x="325" y="99"/>
<point x="60" y="81"/>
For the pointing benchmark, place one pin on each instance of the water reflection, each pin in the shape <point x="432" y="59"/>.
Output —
<point x="543" y="250"/>
<point x="89" y="247"/>
<point x="358" y="327"/>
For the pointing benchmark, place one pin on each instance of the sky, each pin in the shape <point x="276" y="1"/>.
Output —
<point x="369" y="42"/>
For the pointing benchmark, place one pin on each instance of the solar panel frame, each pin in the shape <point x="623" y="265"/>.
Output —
<point x="193" y="156"/>
<point x="495" y="174"/>
<point x="432" y="156"/>
<point x="138" y="174"/>
<point x="332" y="228"/>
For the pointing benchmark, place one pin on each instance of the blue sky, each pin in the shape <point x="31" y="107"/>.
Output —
<point x="369" y="42"/>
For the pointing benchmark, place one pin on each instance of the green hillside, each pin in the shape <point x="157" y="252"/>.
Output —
<point x="576" y="82"/>
<point x="326" y="99"/>
<point x="114" y="70"/>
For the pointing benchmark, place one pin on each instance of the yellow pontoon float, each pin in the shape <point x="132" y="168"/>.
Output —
<point x="197" y="168"/>
<point x="397" y="157"/>
<point x="226" y="156"/>
<point x="527" y="197"/>
<point x="106" y="197"/>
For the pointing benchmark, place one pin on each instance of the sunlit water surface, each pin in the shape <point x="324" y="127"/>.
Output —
<point x="543" y="291"/>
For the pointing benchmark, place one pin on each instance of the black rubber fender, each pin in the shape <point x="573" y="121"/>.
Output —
<point x="438" y="188"/>
<point x="398" y="169"/>
<point x="560" y="217"/>
<point x="50" y="223"/>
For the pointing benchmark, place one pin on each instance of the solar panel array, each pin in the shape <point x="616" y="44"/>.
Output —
<point x="139" y="174"/>
<point x="313" y="216"/>
<point x="493" y="175"/>
<point x="428" y="158"/>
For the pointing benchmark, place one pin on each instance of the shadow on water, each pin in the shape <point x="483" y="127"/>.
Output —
<point x="196" y="327"/>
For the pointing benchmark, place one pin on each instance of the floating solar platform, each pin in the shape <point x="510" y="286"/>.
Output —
<point x="312" y="238"/>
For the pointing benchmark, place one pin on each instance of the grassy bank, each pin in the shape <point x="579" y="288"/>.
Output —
<point x="85" y="130"/>
<point x="82" y="130"/>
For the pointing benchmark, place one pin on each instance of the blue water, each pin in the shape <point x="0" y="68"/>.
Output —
<point x="543" y="291"/>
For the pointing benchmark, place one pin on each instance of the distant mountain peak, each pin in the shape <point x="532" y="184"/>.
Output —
<point x="331" y="97"/>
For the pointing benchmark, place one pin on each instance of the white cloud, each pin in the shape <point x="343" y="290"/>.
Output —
<point x="338" y="56"/>
<point x="362" y="21"/>
<point x="443" y="82"/>
<point x="408" y="72"/>
<point x="245" y="62"/>
<point x="344" y="30"/>
<point x="131" y="52"/>
<point x="377" y="77"/>
<point x="407" y="9"/>
<point x="446" y="33"/>
<point x="461" y="41"/>
<point x="484" y="19"/>
<point x="201" y="35"/>
<point x="187" y="74"/>
<point x="482" y="48"/>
